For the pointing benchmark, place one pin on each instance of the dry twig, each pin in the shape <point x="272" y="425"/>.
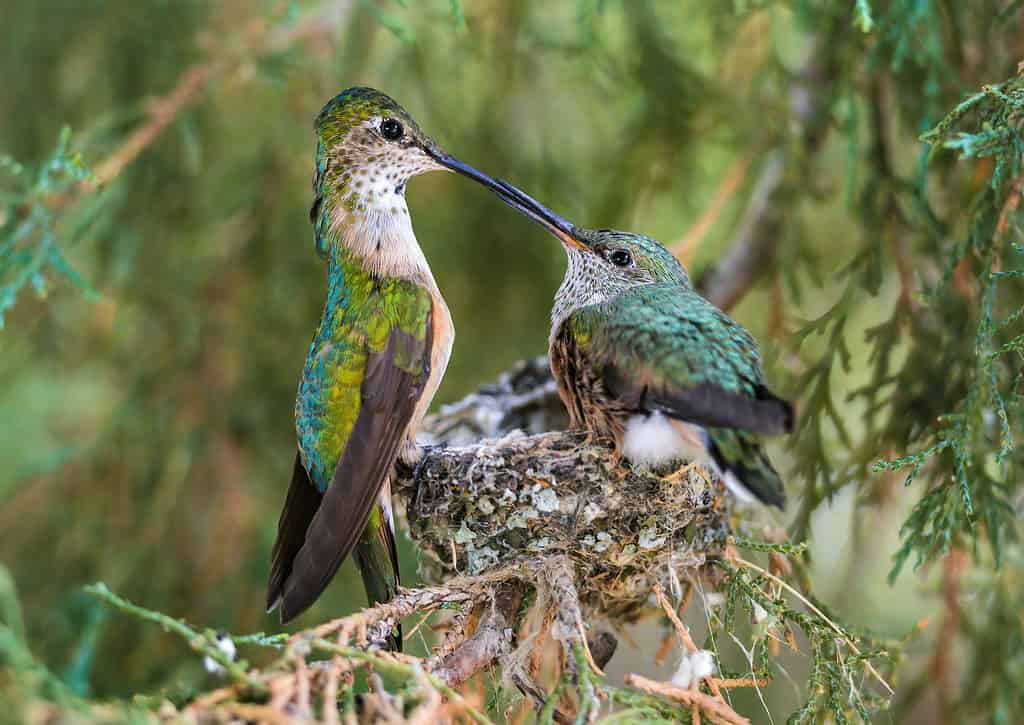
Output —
<point x="715" y="710"/>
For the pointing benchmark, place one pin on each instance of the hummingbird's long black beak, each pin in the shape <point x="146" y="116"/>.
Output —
<point x="518" y="200"/>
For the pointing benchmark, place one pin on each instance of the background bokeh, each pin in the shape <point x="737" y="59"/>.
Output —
<point x="146" y="429"/>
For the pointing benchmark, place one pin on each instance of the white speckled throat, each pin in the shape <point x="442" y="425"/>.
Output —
<point x="372" y="219"/>
<point x="587" y="282"/>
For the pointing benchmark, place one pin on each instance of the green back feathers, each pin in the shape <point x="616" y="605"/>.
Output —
<point x="360" y="314"/>
<point x="673" y="335"/>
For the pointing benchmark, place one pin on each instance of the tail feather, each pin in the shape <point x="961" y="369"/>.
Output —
<point x="745" y="467"/>
<point x="300" y="506"/>
<point x="376" y="555"/>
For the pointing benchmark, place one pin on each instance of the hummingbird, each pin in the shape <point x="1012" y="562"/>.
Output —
<point x="376" y="359"/>
<point x="641" y="358"/>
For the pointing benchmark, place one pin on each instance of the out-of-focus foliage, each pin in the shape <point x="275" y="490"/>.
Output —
<point x="145" y="404"/>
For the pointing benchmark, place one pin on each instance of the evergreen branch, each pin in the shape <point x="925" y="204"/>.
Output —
<point x="807" y="603"/>
<point x="63" y="180"/>
<point x="205" y="643"/>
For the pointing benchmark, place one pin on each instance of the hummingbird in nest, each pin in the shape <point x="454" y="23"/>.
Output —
<point x="377" y="357"/>
<point x="641" y="358"/>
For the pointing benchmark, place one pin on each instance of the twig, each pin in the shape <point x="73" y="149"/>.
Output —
<point x="163" y="111"/>
<point x="752" y="250"/>
<point x="257" y="39"/>
<point x="389" y="664"/>
<point x="492" y="640"/>
<point x="203" y="643"/>
<point x="718" y="711"/>
<point x="258" y="713"/>
<point x="302" y="689"/>
<point x="682" y="631"/>
<point x="536" y="695"/>
<point x="454" y="634"/>
<point x="687" y="246"/>
<point x="568" y="626"/>
<point x="941" y="664"/>
<point x="428" y="712"/>
<point x="330" y="696"/>
<point x="1010" y="205"/>
<point x="457" y="591"/>
<point x="730" y="683"/>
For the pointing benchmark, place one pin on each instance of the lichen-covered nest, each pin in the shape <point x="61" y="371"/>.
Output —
<point x="476" y="508"/>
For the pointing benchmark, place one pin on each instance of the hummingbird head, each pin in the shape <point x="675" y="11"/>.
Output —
<point x="368" y="147"/>
<point x="630" y="259"/>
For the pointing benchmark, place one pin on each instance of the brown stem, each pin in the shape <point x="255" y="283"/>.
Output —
<point x="752" y="251"/>
<point x="715" y="711"/>
<point x="493" y="638"/>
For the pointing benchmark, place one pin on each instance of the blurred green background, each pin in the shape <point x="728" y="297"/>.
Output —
<point x="146" y="430"/>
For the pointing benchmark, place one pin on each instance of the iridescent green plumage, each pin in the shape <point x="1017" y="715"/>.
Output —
<point x="361" y="313"/>
<point x="661" y="347"/>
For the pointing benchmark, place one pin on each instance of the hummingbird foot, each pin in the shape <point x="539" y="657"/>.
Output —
<point x="411" y="454"/>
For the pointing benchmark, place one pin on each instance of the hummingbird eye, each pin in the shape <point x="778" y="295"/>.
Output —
<point x="620" y="258"/>
<point x="391" y="129"/>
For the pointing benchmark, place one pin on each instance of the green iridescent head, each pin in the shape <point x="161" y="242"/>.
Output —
<point x="368" y="147"/>
<point x="634" y="258"/>
<point x="364" y="135"/>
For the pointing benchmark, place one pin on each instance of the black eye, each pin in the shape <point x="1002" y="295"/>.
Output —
<point x="391" y="129"/>
<point x="620" y="257"/>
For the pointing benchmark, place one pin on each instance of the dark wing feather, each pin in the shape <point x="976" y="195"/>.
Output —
<point x="704" y="403"/>
<point x="299" y="508"/>
<point x="389" y="397"/>
<point x="663" y="347"/>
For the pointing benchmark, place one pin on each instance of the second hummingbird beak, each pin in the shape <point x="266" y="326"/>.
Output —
<point x="518" y="200"/>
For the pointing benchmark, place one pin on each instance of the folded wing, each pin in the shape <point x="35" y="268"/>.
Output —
<point x="394" y="381"/>
<point x="664" y="348"/>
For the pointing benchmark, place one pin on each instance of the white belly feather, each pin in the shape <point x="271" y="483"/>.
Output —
<point x="654" y="439"/>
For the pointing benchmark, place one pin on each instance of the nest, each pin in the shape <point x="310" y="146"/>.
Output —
<point x="518" y="498"/>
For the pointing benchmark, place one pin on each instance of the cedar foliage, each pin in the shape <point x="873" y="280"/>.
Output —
<point x="156" y="307"/>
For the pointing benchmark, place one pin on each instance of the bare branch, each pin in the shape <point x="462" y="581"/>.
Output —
<point x="752" y="250"/>
<point x="493" y="639"/>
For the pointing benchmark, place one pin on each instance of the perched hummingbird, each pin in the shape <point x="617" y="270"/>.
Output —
<point x="640" y="357"/>
<point x="376" y="359"/>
